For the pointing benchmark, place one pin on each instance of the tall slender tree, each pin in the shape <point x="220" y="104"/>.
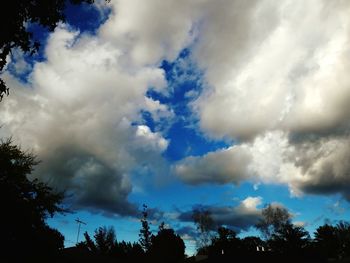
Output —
<point x="205" y="224"/>
<point x="145" y="232"/>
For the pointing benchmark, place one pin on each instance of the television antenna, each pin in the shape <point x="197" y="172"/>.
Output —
<point x="79" y="222"/>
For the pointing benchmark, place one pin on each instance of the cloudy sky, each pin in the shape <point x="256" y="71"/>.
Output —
<point x="228" y="104"/>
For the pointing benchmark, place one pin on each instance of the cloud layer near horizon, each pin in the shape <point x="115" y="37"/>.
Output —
<point x="241" y="217"/>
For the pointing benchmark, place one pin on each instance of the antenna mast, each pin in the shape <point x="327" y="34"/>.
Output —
<point x="79" y="222"/>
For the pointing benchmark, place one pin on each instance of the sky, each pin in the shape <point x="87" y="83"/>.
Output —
<point x="228" y="105"/>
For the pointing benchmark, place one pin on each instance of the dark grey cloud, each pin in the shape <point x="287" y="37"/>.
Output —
<point x="325" y="165"/>
<point x="221" y="167"/>
<point x="188" y="233"/>
<point x="88" y="181"/>
<point x="240" y="217"/>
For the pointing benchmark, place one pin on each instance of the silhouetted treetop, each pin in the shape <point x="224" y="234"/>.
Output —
<point x="343" y="235"/>
<point x="205" y="224"/>
<point x="104" y="243"/>
<point x="145" y="234"/>
<point x="289" y="239"/>
<point x="30" y="195"/>
<point x="273" y="218"/>
<point x="167" y="246"/>
<point x="327" y="242"/>
<point x="25" y="206"/>
<point x="103" y="247"/>
<point x="225" y="242"/>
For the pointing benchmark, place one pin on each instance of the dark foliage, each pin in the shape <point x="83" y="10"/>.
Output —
<point x="104" y="243"/>
<point x="289" y="239"/>
<point x="25" y="206"/>
<point x="288" y="244"/>
<point x="333" y="241"/>
<point x="250" y="244"/>
<point x="130" y="252"/>
<point x="15" y="17"/>
<point x="343" y="235"/>
<point x="226" y="242"/>
<point x="326" y="241"/>
<point x="167" y="246"/>
<point x="105" y="248"/>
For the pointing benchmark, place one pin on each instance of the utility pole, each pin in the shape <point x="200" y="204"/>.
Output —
<point x="79" y="224"/>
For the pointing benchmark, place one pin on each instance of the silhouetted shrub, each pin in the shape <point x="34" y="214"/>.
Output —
<point x="167" y="247"/>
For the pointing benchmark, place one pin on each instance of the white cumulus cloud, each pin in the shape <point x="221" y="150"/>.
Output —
<point x="77" y="113"/>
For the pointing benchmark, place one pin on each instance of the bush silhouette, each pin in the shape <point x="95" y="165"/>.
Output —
<point x="167" y="247"/>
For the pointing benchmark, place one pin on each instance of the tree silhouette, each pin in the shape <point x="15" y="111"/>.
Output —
<point x="205" y="223"/>
<point x="343" y="235"/>
<point x="327" y="242"/>
<point x="129" y="252"/>
<point x="273" y="218"/>
<point x="103" y="247"/>
<point x="145" y="233"/>
<point x="26" y="204"/>
<point x="225" y="243"/>
<point x="289" y="239"/>
<point x="167" y="246"/>
<point x="14" y="30"/>
<point x="104" y="243"/>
